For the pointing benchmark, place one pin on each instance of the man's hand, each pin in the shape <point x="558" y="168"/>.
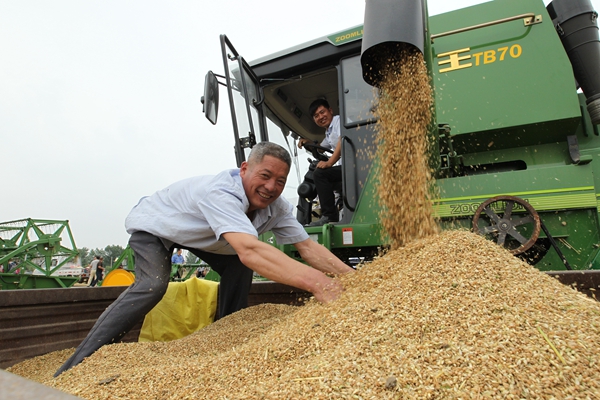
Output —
<point x="331" y="291"/>
<point x="271" y="263"/>
<point x="325" y="164"/>
<point x="301" y="142"/>
<point x="319" y="257"/>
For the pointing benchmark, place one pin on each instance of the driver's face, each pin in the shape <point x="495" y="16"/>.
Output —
<point x="323" y="117"/>
<point x="264" y="181"/>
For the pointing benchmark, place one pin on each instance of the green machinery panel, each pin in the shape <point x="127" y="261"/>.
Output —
<point x="491" y="82"/>
<point x="32" y="252"/>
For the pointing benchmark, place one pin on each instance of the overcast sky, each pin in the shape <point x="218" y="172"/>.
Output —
<point x="99" y="100"/>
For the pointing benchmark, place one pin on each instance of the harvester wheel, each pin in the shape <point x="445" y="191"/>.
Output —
<point x="517" y="233"/>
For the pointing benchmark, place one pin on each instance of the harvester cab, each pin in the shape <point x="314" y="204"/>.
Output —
<point x="513" y="140"/>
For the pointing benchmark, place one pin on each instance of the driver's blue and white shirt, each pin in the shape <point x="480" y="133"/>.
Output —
<point x="196" y="212"/>
<point x="332" y="136"/>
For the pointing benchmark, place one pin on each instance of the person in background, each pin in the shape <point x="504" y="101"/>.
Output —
<point x="93" y="266"/>
<point x="100" y="270"/>
<point x="201" y="272"/>
<point x="12" y="265"/>
<point x="327" y="172"/>
<point x="98" y="275"/>
<point x="219" y="219"/>
<point x="177" y="257"/>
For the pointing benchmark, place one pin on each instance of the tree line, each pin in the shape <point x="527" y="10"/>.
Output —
<point x="110" y="254"/>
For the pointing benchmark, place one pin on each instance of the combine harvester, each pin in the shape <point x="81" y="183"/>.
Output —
<point x="514" y="140"/>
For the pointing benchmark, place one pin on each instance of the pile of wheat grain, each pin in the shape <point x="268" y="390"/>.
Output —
<point x="405" y="183"/>
<point x="449" y="316"/>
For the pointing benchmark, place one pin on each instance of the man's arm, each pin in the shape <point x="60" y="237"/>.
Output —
<point x="320" y="258"/>
<point x="272" y="264"/>
<point x="337" y="153"/>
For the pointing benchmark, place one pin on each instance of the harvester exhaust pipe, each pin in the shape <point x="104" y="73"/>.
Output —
<point x="387" y="24"/>
<point x="576" y="24"/>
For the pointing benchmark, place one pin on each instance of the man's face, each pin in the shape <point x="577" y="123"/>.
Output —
<point x="264" y="181"/>
<point x="323" y="116"/>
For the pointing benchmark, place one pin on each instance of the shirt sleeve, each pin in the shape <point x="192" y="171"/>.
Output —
<point x="325" y="143"/>
<point x="288" y="230"/>
<point x="223" y="209"/>
<point x="332" y="136"/>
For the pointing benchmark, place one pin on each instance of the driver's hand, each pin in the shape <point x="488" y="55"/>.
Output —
<point x="323" y="164"/>
<point x="301" y="142"/>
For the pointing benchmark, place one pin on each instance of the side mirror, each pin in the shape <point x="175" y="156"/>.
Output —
<point x="210" y="100"/>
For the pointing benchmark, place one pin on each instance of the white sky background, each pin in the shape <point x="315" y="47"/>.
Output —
<point x="99" y="100"/>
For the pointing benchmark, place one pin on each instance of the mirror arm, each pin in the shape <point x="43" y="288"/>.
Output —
<point x="221" y="76"/>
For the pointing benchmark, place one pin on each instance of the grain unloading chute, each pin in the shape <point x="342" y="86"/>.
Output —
<point x="387" y="25"/>
<point x="33" y="254"/>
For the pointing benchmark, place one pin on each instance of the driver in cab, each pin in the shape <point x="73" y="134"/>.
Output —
<point x="327" y="172"/>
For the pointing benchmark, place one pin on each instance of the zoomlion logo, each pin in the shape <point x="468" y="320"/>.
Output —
<point x="346" y="36"/>
<point x="470" y="208"/>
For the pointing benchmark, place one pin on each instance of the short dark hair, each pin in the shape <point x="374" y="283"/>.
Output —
<point x="316" y="104"/>
<point x="262" y="149"/>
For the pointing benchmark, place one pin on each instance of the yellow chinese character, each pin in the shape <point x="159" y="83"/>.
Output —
<point x="454" y="60"/>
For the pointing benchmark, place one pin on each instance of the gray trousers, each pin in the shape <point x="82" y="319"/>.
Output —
<point x="152" y="273"/>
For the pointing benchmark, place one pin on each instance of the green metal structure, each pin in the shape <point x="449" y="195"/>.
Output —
<point x="179" y="272"/>
<point x="517" y="149"/>
<point x="33" y="254"/>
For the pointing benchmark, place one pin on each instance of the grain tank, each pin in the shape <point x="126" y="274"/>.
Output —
<point x="515" y="125"/>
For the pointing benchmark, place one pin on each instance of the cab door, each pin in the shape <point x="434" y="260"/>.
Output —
<point x="245" y="99"/>
<point x="358" y="137"/>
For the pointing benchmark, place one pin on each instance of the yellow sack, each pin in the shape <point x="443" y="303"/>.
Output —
<point x="185" y="308"/>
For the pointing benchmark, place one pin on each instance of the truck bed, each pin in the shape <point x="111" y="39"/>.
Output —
<point x="38" y="321"/>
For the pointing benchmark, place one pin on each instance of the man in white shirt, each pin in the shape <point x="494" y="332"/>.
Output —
<point x="93" y="269"/>
<point x="218" y="219"/>
<point x="327" y="172"/>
